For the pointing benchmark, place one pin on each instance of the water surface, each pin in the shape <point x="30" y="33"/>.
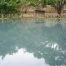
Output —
<point x="33" y="42"/>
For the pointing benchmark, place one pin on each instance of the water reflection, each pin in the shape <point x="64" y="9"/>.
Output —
<point x="21" y="58"/>
<point x="45" y="40"/>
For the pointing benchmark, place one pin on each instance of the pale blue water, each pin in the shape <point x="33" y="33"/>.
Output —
<point x="33" y="42"/>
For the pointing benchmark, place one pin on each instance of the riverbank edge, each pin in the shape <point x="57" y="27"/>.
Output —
<point x="33" y="15"/>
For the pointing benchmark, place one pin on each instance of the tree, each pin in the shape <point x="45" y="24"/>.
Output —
<point x="57" y="4"/>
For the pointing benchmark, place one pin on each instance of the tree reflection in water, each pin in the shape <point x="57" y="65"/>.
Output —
<point x="42" y="38"/>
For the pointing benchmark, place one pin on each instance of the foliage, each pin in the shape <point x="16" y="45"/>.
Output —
<point x="8" y="6"/>
<point x="57" y="4"/>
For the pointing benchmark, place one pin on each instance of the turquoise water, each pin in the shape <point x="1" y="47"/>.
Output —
<point x="33" y="42"/>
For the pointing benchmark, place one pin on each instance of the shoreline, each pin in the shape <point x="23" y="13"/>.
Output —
<point x="33" y="15"/>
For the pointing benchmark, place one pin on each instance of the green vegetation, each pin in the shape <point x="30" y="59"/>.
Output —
<point x="57" y="4"/>
<point x="11" y="6"/>
<point x="8" y="6"/>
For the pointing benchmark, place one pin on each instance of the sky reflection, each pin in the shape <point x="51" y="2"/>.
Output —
<point x="21" y="58"/>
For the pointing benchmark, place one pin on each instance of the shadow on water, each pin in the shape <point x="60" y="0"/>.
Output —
<point x="46" y="39"/>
